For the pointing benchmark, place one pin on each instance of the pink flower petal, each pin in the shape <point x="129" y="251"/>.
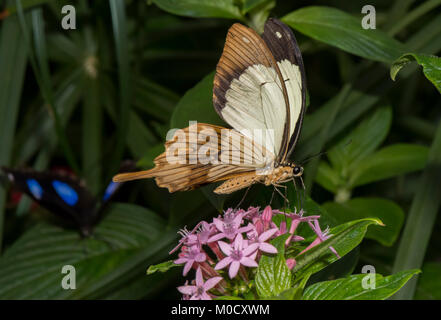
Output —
<point x="219" y="224"/>
<point x="205" y="296"/>
<point x="234" y="268"/>
<point x="180" y="261"/>
<point x="248" y="262"/>
<point x="267" y="234"/>
<point x="187" y="267"/>
<point x="223" y="263"/>
<point x="225" y="247"/>
<point x="216" y="237"/>
<point x="187" y="289"/>
<point x="210" y="283"/>
<point x="291" y="263"/>
<point x="268" y="248"/>
<point x="237" y="220"/>
<point x="250" y="249"/>
<point x="259" y="226"/>
<point x="199" y="279"/>
<point x="238" y="242"/>
<point x="297" y="238"/>
<point x="267" y="214"/>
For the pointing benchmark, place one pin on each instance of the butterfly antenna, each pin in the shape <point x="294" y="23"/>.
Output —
<point x="299" y="201"/>
<point x="322" y="153"/>
<point x="312" y="157"/>
<point x="302" y="198"/>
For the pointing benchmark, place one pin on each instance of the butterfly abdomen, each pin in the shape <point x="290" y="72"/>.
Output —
<point x="238" y="183"/>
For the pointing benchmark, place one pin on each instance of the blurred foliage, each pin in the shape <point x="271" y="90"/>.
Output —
<point x="112" y="88"/>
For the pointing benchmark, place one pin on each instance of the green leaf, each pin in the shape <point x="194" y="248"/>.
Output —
<point x="273" y="275"/>
<point x="92" y="136"/>
<point x="40" y="65"/>
<point x="147" y="161"/>
<point x="431" y="67"/>
<point x="351" y="288"/>
<point x="346" y="155"/>
<point x="358" y="208"/>
<point x="249" y="5"/>
<point x="421" y="218"/>
<point x="328" y="177"/>
<point x="344" y="238"/>
<point x="120" y="33"/>
<point x="26" y="4"/>
<point x="154" y="99"/>
<point x="228" y="298"/>
<point x="139" y="138"/>
<point x="13" y="59"/>
<point x="344" y="31"/>
<point x="429" y="282"/>
<point x="162" y="267"/>
<point x="31" y="267"/>
<point x="201" y="8"/>
<point x="389" y="162"/>
<point x="294" y="293"/>
<point x="197" y="105"/>
<point x="361" y="141"/>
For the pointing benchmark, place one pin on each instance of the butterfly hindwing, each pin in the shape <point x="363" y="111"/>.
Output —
<point x="182" y="168"/>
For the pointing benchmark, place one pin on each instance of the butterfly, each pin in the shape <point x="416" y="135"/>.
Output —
<point x="259" y="89"/>
<point x="65" y="195"/>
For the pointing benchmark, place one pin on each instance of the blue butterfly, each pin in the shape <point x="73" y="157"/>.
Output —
<point x="64" y="195"/>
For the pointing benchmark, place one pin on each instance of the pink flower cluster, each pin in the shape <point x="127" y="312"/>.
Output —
<point x="237" y="241"/>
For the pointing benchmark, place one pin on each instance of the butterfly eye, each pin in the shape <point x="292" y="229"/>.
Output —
<point x="297" y="170"/>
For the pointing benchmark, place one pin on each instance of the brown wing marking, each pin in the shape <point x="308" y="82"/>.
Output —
<point x="182" y="175"/>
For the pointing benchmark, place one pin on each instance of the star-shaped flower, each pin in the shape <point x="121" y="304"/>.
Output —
<point x="189" y="256"/>
<point x="239" y="253"/>
<point x="199" y="291"/>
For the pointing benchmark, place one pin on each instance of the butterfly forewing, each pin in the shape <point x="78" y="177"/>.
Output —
<point x="283" y="45"/>
<point x="248" y="92"/>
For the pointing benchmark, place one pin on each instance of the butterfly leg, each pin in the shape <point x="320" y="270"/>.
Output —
<point x="243" y="198"/>
<point x="272" y="196"/>
<point x="280" y="192"/>
<point x="285" y="197"/>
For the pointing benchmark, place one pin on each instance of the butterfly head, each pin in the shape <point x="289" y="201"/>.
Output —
<point x="297" y="170"/>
